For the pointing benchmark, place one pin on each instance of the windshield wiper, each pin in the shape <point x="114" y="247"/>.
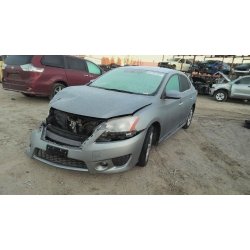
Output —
<point x="122" y="91"/>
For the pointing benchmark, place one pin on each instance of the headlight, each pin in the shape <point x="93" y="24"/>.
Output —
<point x="214" y="85"/>
<point x="118" y="129"/>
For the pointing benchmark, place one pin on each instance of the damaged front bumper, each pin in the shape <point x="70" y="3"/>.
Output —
<point x="91" y="156"/>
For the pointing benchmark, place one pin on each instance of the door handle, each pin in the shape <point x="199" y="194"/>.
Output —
<point x="90" y="76"/>
<point x="191" y="98"/>
<point x="86" y="75"/>
<point x="248" y="86"/>
<point x="180" y="103"/>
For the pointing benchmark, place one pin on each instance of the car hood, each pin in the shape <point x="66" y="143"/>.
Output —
<point x="98" y="103"/>
<point x="223" y="75"/>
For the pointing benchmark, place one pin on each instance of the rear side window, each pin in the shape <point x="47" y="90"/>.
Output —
<point x="18" y="60"/>
<point x="184" y="83"/>
<point x="93" y="69"/>
<point x="173" y="83"/>
<point x="53" y="61"/>
<point x="75" y="64"/>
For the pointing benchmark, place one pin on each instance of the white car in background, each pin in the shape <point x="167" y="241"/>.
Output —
<point x="176" y="63"/>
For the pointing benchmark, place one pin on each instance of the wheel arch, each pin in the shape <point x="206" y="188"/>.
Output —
<point x="157" y="128"/>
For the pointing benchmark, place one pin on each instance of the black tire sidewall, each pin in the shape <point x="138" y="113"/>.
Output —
<point x="220" y="91"/>
<point x="143" y="160"/>
<point x="53" y="89"/>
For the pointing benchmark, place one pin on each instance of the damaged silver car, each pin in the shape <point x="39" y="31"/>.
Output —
<point x="109" y="125"/>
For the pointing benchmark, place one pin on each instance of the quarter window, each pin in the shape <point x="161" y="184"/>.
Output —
<point x="93" y="69"/>
<point x="53" y="61"/>
<point x="184" y="83"/>
<point x="173" y="83"/>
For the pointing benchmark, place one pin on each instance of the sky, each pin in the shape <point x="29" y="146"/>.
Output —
<point x="156" y="58"/>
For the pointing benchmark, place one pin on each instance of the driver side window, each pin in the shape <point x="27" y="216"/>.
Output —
<point x="173" y="83"/>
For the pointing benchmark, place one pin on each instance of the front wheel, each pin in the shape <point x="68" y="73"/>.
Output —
<point x="189" y="119"/>
<point x="220" y="95"/>
<point x="143" y="159"/>
<point x="57" y="87"/>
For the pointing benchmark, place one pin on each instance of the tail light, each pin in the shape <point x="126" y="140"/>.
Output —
<point x="31" y="68"/>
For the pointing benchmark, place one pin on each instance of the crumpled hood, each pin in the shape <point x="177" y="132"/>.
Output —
<point x="98" y="103"/>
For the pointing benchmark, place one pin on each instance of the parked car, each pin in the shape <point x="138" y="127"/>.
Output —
<point x="46" y="75"/>
<point x="243" y="69"/>
<point x="213" y="66"/>
<point x="237" y="89"/>
<point x="110" y="124"/>
<point x="176" y="63"/>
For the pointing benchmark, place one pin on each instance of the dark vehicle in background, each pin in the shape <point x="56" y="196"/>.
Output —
<point x="108" y="67"/>
<point x="213" y="66"/>
<point x="243" y="69"/>
<point x="46" y="75"/>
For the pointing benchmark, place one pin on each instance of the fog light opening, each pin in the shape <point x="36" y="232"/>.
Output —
<point x="104" y="164"/>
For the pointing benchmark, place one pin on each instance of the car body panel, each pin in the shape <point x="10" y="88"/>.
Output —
<point x="234" y="88"/>
<point x="89" y="101"/>
<point x="41" y="83"/>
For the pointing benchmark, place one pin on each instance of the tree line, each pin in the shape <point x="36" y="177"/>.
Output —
<point x="127" y="61"/>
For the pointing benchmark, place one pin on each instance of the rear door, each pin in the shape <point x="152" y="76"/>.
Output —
<point x="77" y="72"/>
<point x="241" y="88"/>
<point x="13" y="73"/>
<point x="94" y="70"/>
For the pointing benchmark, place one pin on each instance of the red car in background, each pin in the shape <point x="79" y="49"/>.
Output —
<point x="46" y="75"/>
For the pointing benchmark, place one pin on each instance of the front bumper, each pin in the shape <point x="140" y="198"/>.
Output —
<point x="211" y="91"/>
<point x="90" y="156"/>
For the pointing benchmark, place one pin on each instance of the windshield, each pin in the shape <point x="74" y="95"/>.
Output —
<point x="174" y="60"/>
<point x="134" y="81"/>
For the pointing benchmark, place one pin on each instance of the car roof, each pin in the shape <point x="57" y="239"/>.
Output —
<point x="156" y="69"/>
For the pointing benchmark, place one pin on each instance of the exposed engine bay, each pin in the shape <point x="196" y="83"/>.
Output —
<point x="66" y="128"/>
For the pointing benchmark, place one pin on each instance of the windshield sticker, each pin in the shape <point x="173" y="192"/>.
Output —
<point x="154" y="73"/>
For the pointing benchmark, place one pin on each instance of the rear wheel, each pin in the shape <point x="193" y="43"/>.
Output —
<point x="57" y="87"/>
<point x="220" y="95"/>
<point x="143" y="159"/>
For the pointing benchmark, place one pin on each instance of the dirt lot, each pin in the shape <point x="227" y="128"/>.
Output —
<point x="211" y="157"/>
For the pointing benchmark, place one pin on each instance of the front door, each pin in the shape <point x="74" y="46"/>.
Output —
<point x="241" y="88"/>
<point x="172" y="107"/>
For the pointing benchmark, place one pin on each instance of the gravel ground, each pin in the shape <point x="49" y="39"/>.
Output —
<point x="211" y="157"/>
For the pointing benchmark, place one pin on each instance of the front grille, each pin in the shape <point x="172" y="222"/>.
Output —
<point x="61" y="160"/>
<point x="119" y="161"/>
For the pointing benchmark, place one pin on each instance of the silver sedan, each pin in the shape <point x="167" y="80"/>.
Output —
<point x="110" y="124"/>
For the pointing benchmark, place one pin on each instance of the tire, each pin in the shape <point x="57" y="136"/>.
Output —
<point x="55" y="89"/>
<point x="220" y="95"/>
<point x="144" y="156"/>
<point x="27" y="95"/>
<point x="189" y="119"/>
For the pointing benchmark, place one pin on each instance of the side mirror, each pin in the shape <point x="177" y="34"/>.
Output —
<point x="172" y="94"/>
